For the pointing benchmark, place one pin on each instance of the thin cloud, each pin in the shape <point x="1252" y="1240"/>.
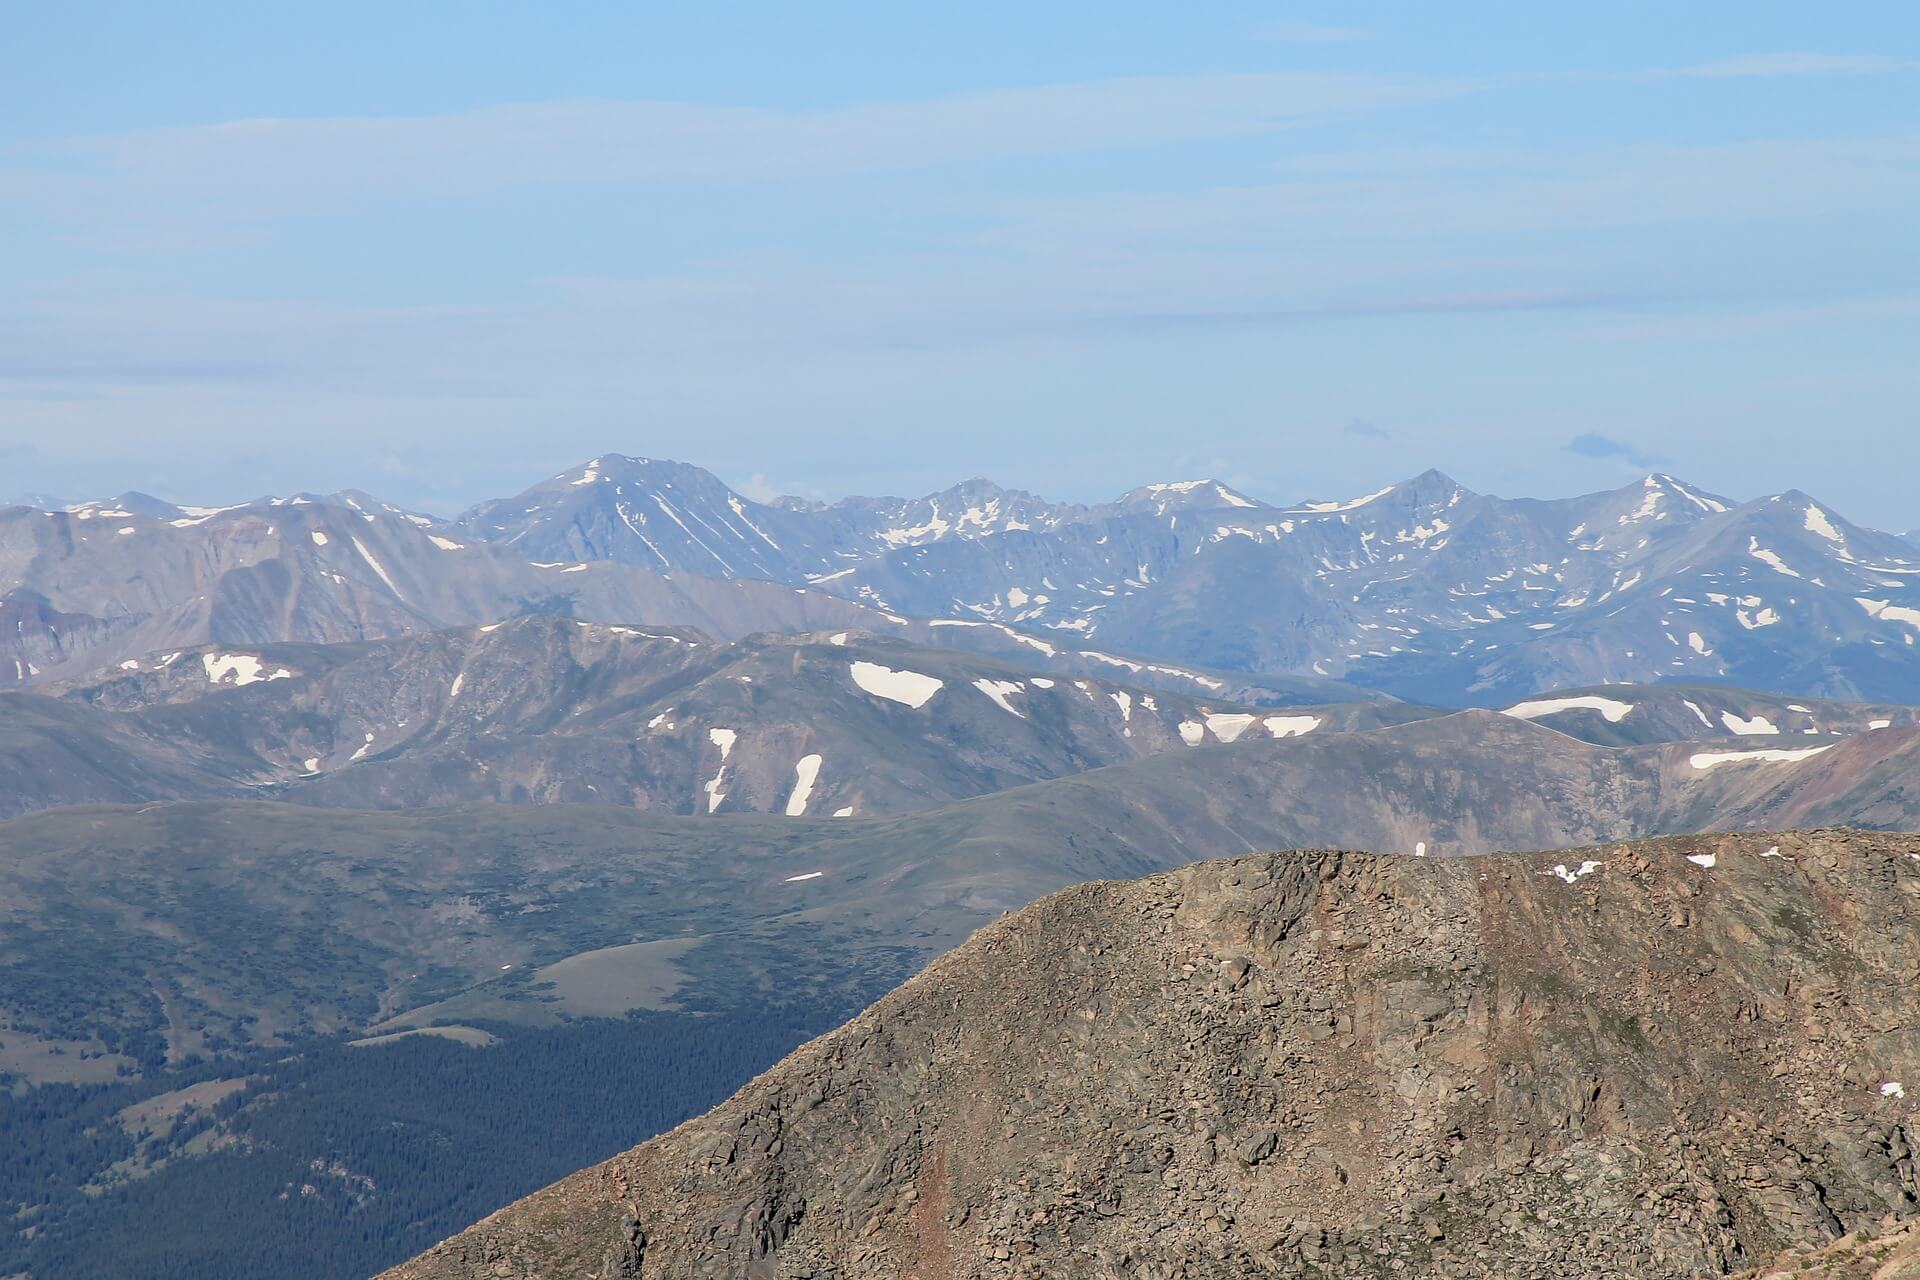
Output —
<point x="269" y="166"/>
<point x="1594" y="445"/>
<point x="1783" y="64"/>
<point x="1437" y="304"/>
<point x="1417" y="194"/>
<point x="1367" y="430"/>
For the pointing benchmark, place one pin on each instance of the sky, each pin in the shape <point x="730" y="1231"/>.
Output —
<point x="439" y="251"/>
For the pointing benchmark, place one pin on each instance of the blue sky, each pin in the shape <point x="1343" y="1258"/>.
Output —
<point x="439" y="251"/>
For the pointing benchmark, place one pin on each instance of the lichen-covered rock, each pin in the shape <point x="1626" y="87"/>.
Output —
<point x="1703" y="1052"/>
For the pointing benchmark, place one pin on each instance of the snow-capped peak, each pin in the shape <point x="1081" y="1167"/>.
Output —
<point x="1182" y="495"/>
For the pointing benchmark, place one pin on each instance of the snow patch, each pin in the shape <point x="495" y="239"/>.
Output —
<point x="1768" y="558"/>
<point x="238" y="669"/>
<point x="1584" y="869"/>
<point x="1758" y="726"/>
<point x="805" y="773"/>
<point x="1291" y="726"/>
<point x="1773" y="755"/>
<point x="1817" y="522"/>
<point x="1229" y="726"/>
<point x="1887" y="611"/>
<point x="1612" y="708"/>
<point x="1328" y="507"/>
<point x="999" y="691"/>
<point x="908" y="687"/>
<point x="1703" y="859"/>
<point x="1192" y="732"/>
<point x="808" y="875"/>
<point x="367" y="555"/>
<point x="723" y="739"/>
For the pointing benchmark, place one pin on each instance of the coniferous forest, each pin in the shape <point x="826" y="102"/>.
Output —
<point x="341" y="1160"/>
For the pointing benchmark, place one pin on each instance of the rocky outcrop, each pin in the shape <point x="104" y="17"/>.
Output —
<point x="1670" y="1058"/>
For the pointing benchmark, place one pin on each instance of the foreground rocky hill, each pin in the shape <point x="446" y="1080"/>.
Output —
<point x="1669" y="1058"/>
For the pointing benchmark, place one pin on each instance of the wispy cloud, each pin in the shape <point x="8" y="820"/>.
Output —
<point x="305" y="165"/>
<point x="1402" y="305"/>
<point x="1784" y="64"/>
<point x="1367" y="430"/>
<point x="1594" y="445"/>
<point x="1416" y="195"/>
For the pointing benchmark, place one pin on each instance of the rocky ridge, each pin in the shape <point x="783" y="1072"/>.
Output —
<point x="1666" y="1058"/>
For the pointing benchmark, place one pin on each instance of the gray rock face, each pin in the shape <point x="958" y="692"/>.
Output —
<point x="1677" y="1064"/>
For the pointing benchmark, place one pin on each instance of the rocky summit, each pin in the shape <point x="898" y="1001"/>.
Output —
<point x="1678" y="1057"/>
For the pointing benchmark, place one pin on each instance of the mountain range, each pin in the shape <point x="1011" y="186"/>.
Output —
<point x="1422" y="590"/>
<point x="542" y="709"/>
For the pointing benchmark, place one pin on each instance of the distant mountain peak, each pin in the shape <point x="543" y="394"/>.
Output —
<point x="1175" y="495"/>
<point x="1661" y="482"/>
<point x="1430" y="487"/>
